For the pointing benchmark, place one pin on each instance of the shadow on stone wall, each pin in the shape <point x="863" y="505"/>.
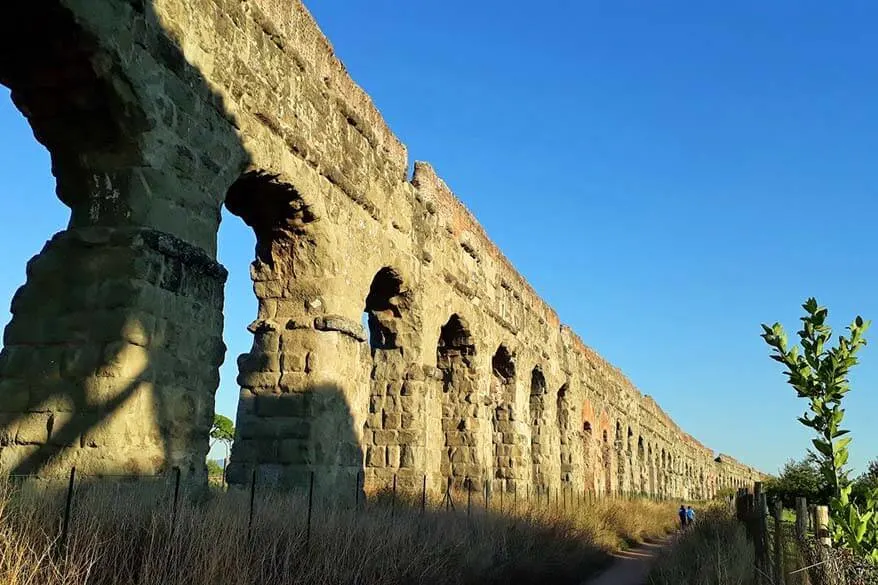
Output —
<point x="298" y="433"/>
<point x="110" y="362"/>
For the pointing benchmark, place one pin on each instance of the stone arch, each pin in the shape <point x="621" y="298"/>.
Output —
<point x="140" y="320"/>
<point x="455" y="359"/>
<point x="392" y="434"/>
<point x="506" y="437"/>
<point x="538" y="428"/>
<point x="303" y="379"/>
<point x="562" y="411"/>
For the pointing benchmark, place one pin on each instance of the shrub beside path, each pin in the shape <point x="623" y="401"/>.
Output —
<point x="631" y="567"/>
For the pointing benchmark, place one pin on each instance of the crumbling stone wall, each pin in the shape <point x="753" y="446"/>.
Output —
<point x="156" y="113"/>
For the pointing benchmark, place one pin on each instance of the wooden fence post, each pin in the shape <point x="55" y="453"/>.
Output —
<point x="802" y="521"/>
<point x="821" y="525"/>
<point x="759" y="515"/>
<point x="801" y="518"/>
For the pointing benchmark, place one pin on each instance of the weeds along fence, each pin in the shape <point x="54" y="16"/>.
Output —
<point x="168" y="491"/>
<point x="795" y="548"/>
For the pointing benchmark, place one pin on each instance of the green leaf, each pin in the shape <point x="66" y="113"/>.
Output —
<point x="823" y="447"/>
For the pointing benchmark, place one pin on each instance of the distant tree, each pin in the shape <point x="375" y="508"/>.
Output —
<point x="800" y="479"/>
<point x="223" y="430"/>
<point x="866" y="483"/>
<point x="214" y="469"/>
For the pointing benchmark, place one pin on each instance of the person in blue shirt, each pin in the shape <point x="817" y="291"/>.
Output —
<point x="684" y="517"/>
<point x="690" y="516"/>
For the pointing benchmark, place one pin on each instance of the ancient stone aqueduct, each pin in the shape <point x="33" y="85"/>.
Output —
<point x="158" y="112"/>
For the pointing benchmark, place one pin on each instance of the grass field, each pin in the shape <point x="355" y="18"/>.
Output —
<point x="130" y="535"/>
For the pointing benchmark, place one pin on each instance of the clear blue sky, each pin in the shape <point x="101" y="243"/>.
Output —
<point x="668" y="175"/>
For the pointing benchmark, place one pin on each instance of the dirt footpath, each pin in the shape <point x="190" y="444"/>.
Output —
<point x="631" y="567"/>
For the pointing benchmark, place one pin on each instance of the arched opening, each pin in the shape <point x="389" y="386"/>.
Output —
<point x="537" y="427"/>
<point x="455" y="358"/>
<point x="643" y="483"/>
<point x="288" y="396"/>
<point x="136" y="326"/>
<point x="663" y="474"/>
<point x="626" y="471"/>
<point x="506" y="438"/>
<point x="391" y="407"/>
<point x="607" y="462"/>
<point x="236" y="242"/>
<point x="589" y="463"/>
<point x="384" y="309"/>
<point x="620" y="458"/>
<point x="562" y="410"/>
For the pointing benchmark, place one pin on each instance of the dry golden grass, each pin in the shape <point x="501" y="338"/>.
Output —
<point x="124" y="535"/>
<point x="715" y="551"/>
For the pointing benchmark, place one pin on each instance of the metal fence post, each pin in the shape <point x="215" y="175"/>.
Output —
<point x="65" y="529"/>
<point x="176" y="499"/>
<point x="252" y="502"/>
<point x="424" y="495"/>
<point x="310" y="506"/>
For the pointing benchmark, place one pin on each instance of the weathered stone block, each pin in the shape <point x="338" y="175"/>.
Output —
<point x="374" y="420"/>
<point x="81" y="361"/>
<point x="293" y="405"/>
<point x="268" y="289"/>
<point x="33" y="429"/>
<point x="124" y="360"/>
<point x="295" y="382"/>
<point x="293" y="361"/>
<point x="385" y="437"/>
<point x="407" y="457"/>
<point x="14" y="395"/>
<point x="375" y="456"/>
<point x="294" y="451"/>
<point x="393" y="454"/>
<point x="392" y="421"/>
<point x="16" y="458"/>
<point x="254" y="379"/>
<point x="65" y="429"/>
<point x="409" y="405"/>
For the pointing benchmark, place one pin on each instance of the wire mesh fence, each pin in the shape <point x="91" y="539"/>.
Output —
<point x="466" y="497"/>
<point x="798" y="552"/>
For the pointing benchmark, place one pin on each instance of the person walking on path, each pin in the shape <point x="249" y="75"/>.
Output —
<point x="684" y="517"/>
<point x="690" y="516"/>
